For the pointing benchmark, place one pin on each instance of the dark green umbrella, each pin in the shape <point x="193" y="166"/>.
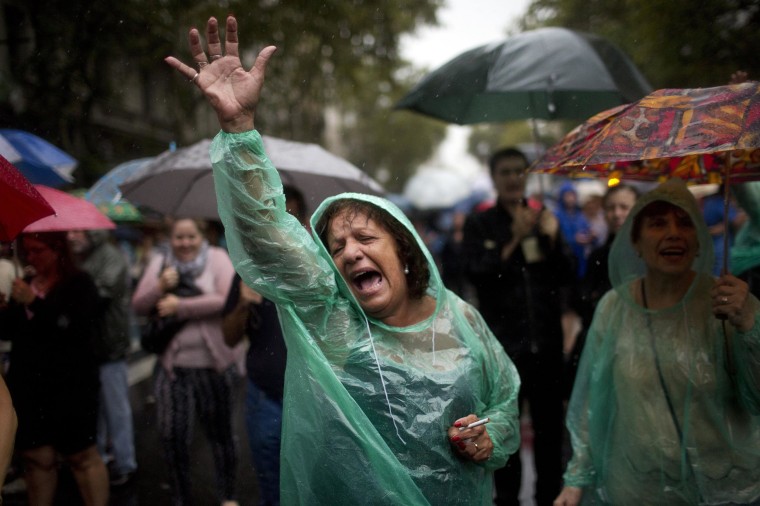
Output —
<point x="549" y="73"/>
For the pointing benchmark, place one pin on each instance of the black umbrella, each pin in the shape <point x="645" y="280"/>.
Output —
<point x="549" y="73"/>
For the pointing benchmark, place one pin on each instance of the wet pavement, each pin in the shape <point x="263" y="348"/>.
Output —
<point x="150" y="486"/>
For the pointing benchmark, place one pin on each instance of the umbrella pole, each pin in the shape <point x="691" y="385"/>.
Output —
<point x="728" y="344"/>
<point x="537" y="147"/>
<point x="726" y="223"/>
<point x="16" y="260"/>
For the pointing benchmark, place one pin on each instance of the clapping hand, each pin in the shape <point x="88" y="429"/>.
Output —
<point x="168" y="279"/>
<point x="167" y="305"/>
<point x="524" y="220"/>
<point x="738" y="77"/>
<point x="232" y="91"/>
<point x="22" y="292"/>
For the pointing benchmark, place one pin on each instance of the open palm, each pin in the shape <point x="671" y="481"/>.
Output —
<point x="232" y="91"/>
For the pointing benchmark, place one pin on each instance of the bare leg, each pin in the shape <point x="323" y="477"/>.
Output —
<point x="41" y="475"/>
<point x="91" y="476"/>
<point x="8" y="425"/>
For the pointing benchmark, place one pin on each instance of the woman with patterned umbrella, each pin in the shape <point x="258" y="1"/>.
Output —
<point x="665" y="405"/>
<point x="664" y="408"/>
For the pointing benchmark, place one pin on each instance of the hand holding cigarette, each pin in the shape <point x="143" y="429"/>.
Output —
<point x="470" y="438"/>
<point x="476" y="423"/>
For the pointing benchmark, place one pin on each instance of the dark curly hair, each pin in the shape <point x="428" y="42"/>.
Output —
<point x="409" y="252"/>
<point x="58" y="242"/>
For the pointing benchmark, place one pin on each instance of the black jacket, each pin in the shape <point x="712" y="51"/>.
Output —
<point x="52" y="338"/>
<point x="522" y="302"/>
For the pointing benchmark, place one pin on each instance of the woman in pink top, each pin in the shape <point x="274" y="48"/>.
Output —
<point x="197" y="370"/>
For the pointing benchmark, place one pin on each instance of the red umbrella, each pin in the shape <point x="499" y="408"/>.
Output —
<point x="20" y="203"/>
<point x="702" y="135"/>
<point x="71" y="213"/>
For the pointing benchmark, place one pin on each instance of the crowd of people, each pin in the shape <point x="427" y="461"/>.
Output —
<point x="377" y="372"/>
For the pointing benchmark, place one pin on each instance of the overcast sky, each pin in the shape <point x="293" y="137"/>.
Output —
<point x="464" y="24"/>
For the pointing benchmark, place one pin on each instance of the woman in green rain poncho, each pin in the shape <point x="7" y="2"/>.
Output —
<point x="385" y="366"/>
<point x="665" y="405"/>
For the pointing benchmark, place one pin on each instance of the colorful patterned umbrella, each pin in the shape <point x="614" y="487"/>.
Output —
<point x="702" y="135"/>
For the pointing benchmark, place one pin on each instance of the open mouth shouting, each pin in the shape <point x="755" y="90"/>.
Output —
<point x="673" y="253"/>
<point x="366" y="282"/>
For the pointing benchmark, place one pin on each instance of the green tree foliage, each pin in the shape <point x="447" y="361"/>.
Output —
<point x="76" y="61"/>
<point x="388" y="144"/>
<point x="675" y="43"/>
<point x="75" y="64"/>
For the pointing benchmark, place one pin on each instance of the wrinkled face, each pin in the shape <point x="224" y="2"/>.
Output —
<point x="509" y="179"/>
<point x="616" y="209"/>
<point x="186" y="240"/>
<point x="39" y="255"/>
<point x="78" y="241"/>
<point x="668" y="242"/>
<point x="366" y="256"/>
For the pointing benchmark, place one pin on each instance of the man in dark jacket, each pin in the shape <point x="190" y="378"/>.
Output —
<point x="109" y="269"/>
<point x="523" y="274"/>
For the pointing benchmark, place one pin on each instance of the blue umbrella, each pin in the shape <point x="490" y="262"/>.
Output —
<point x="37" y="159"/>
<point x="106" y="189"/>
<point x="105" y="193"/>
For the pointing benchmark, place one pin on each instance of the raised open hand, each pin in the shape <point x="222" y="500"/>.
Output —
<point x="232" y="91"/>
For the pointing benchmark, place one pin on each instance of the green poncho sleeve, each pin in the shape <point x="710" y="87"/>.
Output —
<point x="745" y="252"/>
<point x="746" y="356"/>
<point x="366" y="405"/>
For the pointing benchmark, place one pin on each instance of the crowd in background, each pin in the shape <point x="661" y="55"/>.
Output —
<point x="152" y="256"/>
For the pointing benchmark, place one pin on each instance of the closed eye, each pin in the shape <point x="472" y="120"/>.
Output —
<point x="336" y="248"/>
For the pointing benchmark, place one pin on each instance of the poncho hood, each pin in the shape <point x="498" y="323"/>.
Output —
<point x="435" y="285"/>
<point x="625" y="265"/>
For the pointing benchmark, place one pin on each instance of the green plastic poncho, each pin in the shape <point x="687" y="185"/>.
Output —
<point x="366" y="406"/>
<point x="626" y="446"/>
<point x="745" y="253"/>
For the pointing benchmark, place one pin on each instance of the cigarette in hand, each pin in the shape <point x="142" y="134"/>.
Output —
<point x="482" y="421"/>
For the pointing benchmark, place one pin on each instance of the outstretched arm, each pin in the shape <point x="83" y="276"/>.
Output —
<point x="265" y="242"/>
<point x="232" y="91"/>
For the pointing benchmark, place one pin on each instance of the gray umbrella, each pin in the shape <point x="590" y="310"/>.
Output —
<point x="549" y="73"/>
<point x="180" y="183"/>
